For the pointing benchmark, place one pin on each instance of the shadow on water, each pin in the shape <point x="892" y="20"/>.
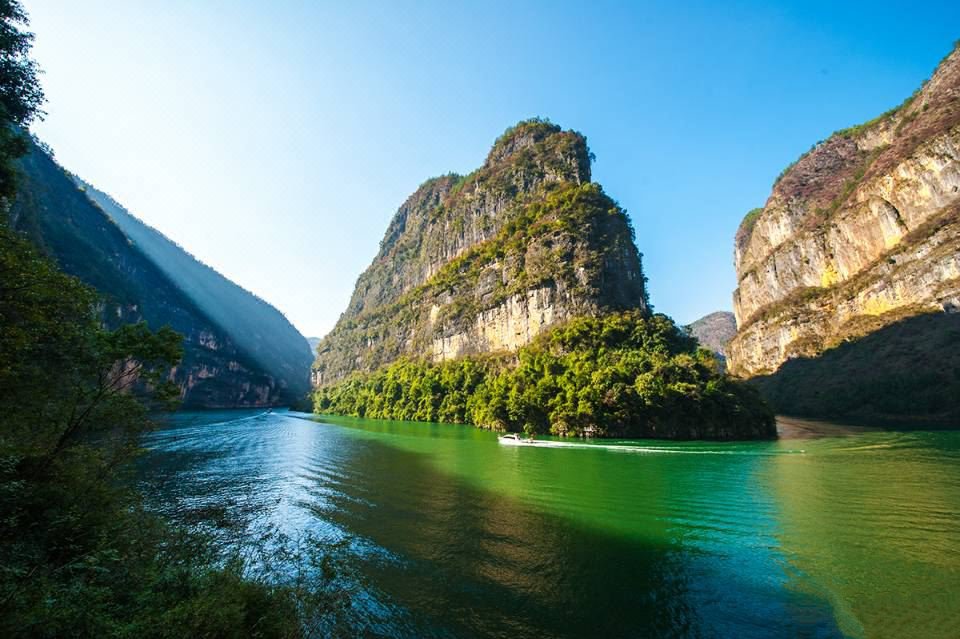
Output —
<point x="902" y="375"/>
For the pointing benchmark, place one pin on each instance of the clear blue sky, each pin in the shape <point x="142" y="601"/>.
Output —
<point x="274" y="140"/>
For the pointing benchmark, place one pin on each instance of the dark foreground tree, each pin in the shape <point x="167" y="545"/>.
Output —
<point x="20" y="94"/>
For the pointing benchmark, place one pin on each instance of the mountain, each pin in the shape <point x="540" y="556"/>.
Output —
<point x="855" y="258"/>
<point x="313" y="342"/>
<point x="714" y="331"/>
<point x="254" y="325"/>
<point x="514" y="299"/>
<point x="256" y="360"/>
<point x="484" y="262"/>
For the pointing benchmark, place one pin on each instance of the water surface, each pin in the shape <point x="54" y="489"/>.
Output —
<point x="828" y="532"/>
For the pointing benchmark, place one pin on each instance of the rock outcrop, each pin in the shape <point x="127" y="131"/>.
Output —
<point x="860" y="233"/>
<point x="217" y="369"/>
<point x="484" y="262"/>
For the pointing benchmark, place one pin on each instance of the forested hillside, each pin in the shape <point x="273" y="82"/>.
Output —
<point x="216" y="369"/>
<point x="254" y="325"/>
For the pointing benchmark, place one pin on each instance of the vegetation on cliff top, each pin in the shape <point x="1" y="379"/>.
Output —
<point x="618" y="375"/>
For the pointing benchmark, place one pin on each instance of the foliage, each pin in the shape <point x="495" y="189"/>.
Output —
<point x="20" y="93"/>
<point x="749" y="221"/>
<point x="79" y="555"/>
<point x="622" y="374"/>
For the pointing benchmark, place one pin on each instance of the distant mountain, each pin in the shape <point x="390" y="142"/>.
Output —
<point x="255" y="360"/>
<point x="714" y="331"/>
<point x="314" y="341"/>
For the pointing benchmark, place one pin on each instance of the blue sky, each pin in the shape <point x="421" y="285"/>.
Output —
<point x="275" y="140"/>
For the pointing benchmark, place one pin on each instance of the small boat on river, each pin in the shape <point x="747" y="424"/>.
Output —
<point x="513" y="439"/>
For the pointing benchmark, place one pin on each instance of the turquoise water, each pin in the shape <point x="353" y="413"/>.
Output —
<point x="828" y="532"/>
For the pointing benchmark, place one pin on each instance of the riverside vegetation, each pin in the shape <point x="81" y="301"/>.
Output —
<point x="80" y="555"/>
<point x="619" y="375"/>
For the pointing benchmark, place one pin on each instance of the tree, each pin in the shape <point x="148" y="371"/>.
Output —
<point x="20" y="93"/>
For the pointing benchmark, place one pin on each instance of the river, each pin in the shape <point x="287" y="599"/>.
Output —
<point x="830" y="531"/>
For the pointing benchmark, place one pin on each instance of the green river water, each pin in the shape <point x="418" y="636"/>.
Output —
<point x="830" y="531"/>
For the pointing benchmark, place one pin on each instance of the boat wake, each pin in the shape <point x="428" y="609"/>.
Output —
<point x="648" y="450"/>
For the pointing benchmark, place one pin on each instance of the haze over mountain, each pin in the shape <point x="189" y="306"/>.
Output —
<point x="239" y="351"/>
<point x="259" y="328"/>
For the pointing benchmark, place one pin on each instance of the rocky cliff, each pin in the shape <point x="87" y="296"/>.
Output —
<point x="860" y="233"/>
<point x="217" y="370"/>
<point x="484" y="262"/>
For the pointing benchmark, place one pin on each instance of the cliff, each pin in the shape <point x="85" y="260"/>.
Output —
<point x="484" y="262"/>
<point x="217" y="369"/>
<point x="860" y="234"/>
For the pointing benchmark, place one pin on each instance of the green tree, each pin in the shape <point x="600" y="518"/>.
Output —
<point x="20" y="94"/>
<point x="622" y="374"/>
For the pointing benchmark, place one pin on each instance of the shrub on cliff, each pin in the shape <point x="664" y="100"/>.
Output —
<point x="622" y="375"/>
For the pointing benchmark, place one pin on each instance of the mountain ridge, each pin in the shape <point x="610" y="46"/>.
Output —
<point x="86" y="242"/>
<point x="251" y="321"/>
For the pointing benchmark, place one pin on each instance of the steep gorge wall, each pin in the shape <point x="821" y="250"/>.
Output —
<point x="484" y="262"/>
<point x="863" y="231"/>
<point x="256" y="327"/>
<point x="86" y="243"/>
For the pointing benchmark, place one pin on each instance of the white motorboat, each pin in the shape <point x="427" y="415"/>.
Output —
<point x="513" y="439"/>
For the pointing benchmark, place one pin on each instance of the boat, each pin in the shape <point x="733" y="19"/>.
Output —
<point x="513" y="439"/>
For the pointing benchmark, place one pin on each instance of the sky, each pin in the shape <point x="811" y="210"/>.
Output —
<point x="275" y="140"/>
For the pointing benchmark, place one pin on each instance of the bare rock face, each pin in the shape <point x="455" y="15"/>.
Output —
<point x="484" y="262"/>
<point x="861" y="232"/>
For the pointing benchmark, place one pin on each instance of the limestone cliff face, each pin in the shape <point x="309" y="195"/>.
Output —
<point x="485" y="262"/>
<point x="861" y="232"/>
